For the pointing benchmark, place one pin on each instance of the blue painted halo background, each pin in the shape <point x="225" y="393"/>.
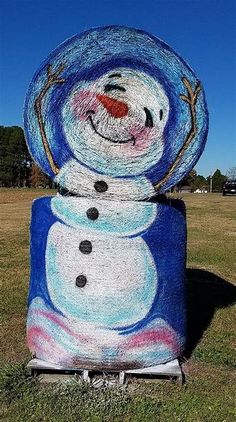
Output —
<point x="89" y="55"/>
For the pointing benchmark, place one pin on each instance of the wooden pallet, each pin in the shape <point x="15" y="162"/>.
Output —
<point x="53" y="372"/>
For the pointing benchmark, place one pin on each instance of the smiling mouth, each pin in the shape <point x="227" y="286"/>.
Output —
<point x="115" y="141"/>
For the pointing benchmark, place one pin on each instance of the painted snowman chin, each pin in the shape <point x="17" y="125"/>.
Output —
<point x="115" y="124"/>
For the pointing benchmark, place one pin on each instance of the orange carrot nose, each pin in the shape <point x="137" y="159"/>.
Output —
<point x="114" y="107"/>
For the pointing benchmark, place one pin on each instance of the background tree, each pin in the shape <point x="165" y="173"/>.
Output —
<point x="218" y="180"/>
<point x="188" y="180"/>
<point x="231" y="173"/>
<point x="199" y="182"/>
<point x="38" y="179"/>
<point x="15" y="160"/>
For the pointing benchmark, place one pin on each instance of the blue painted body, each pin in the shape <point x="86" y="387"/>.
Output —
<point x="165" y="238"/>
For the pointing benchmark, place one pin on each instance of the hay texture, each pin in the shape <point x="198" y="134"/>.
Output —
<point x="114" y="117"/>
<point x="107" y="282"/>
<point x="115" y="105"/>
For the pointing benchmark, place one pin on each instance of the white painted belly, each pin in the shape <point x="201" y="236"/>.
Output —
<point x="119" y="275"/>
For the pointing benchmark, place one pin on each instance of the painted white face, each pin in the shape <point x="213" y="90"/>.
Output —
<point x="115" y="124"/>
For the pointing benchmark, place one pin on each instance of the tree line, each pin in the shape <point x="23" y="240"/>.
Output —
<point x="194" y="182"/>
<point x="17" y="168"/>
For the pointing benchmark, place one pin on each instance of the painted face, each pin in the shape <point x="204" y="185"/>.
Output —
<point x="140" y="126"/>
<point x="115" y="124"/>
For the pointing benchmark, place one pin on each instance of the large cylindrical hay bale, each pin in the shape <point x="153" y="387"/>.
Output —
<point x="107" y="282"/>
<point x="116" y="118"/>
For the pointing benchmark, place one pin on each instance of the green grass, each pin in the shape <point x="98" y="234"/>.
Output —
<point x="202" y="399"/>
<point x="217" y="346"/>
<point x="209" y="363"/>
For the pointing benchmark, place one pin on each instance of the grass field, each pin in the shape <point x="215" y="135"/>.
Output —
<point x="208" y="394"/>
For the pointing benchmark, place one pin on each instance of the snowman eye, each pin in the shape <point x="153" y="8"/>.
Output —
<point x="149" y="119"/>
<point x="161" y="114"/>
<point x="115" y="75"/>
<point x="111" y="87"/>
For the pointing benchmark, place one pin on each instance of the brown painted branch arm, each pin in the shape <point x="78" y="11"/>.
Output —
<point x="52" y="79"/>
<point x="190" y="99"/>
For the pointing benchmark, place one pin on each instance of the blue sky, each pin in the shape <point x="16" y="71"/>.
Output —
<point x="202" y="32"/>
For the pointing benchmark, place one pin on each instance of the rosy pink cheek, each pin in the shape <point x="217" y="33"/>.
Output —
<point x="83" y="101"/>
<point x="143" y="139"/>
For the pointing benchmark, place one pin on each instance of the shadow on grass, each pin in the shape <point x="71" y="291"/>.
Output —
<point x="206" y="292"/>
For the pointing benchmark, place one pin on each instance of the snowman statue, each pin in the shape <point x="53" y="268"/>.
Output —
<point x="116" y="118"/>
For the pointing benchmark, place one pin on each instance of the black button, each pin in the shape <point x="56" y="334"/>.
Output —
<point x="85" y="246"/>
<point x="92" y="213"/>
<point x="81" y="280"/>
<point x="100" y="186"/>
